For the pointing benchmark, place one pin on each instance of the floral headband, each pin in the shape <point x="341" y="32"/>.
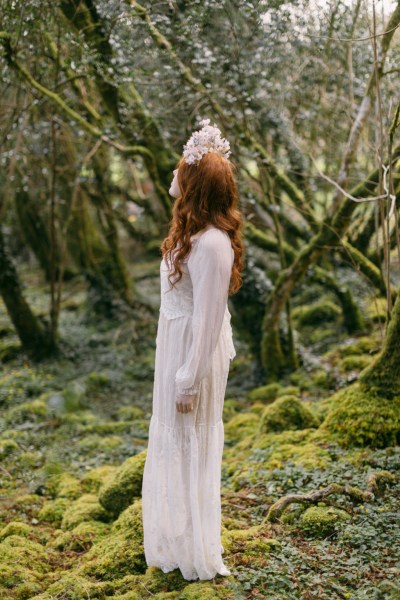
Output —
<point x="208" y="139"/>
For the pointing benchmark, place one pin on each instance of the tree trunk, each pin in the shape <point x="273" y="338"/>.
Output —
<point x="383" y="375"/>
<point x="367" y="413"/>
<point x="34" y="336"/>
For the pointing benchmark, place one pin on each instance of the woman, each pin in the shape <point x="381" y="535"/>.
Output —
<point x="181" y="500"/>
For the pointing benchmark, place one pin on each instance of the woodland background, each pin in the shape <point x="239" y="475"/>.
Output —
<point x="97" y="99"/>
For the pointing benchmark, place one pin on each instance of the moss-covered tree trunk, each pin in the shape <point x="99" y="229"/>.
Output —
<point x="383" y="375"/>
<point x="367" y="413"/>
<point x="34" y="337"/>
<point x="35" y="233"/>
<point x="107" y="278"/>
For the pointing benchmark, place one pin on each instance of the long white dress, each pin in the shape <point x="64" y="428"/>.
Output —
<point x="181" y="489"/>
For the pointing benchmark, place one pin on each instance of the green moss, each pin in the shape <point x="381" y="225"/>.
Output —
<point x="106" y="427"/>
<point x="265" y="393"/>
<point x="99" y="442"/>
<point x="130" y="413"/>
<point x="241" y="426"/>
<point x="82" y="536"/>
<point x="28" y="460"/>
<point x="15" y="528"/>
<point x="9" y="351"/>
<point x="95" y="382"/>
<point x="252" y="542"/>
<point x="7" y="447"/>
<point x="231" y="407"/>
<point x="364" y="345"/>
<point x="67" y="486"/>
<point x="28" y="501"/>
<point x="201" y="590"/>
<point x="22" y="566"/>
<point x="53" y="510"/>
<point x="320" y="378"/>
<point x="287" y="412"/>
<point x="94" y="479"/>
<point x="155" y="580"/>
<point x="74" y="397"/>
<point x="354" y="362"/>
<point x="320" y="521"/>
<point x="376" y="310"/>
<point x="257" y="408"/>
<point x="123" y="485"/>
<point x="129" y="522"/>
<point x="290" y="390"/>
<point x="27" y="411"/>
<point x="317" y="313"/>
<point x="73" y="586"/>
<point x="85" y="508"/>
<point x="361" y="418"/>
<point x="121" y="552"/>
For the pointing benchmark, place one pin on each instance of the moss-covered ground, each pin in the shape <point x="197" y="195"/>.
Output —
<point x="73" y="438"/>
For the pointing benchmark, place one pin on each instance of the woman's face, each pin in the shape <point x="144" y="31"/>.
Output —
<point x="174" y="190"/>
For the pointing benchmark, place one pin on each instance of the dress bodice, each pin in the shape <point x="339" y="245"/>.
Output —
<point x="177" y="300"/>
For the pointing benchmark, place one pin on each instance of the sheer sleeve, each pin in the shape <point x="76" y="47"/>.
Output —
<point x="210" y="266"/>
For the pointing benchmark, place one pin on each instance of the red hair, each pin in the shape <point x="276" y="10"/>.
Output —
<point x="209" y="195"/>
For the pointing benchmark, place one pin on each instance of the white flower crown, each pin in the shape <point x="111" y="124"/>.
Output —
<point x="208" y="139"/>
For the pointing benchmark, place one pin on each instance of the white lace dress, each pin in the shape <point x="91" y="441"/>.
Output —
<point x="181" y="497"/>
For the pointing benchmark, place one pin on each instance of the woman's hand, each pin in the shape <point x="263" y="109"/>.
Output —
<point x="185" y="402"/>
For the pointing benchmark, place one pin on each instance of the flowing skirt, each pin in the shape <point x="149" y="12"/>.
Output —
<point x="181" y="490"/>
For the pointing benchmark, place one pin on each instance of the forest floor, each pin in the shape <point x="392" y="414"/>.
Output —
<point x="69" y="529"/>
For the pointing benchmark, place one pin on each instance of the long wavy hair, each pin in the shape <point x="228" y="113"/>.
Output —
<point x="209" y="195"/>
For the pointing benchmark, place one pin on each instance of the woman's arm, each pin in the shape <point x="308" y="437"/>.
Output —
<point x="210" y="266"/>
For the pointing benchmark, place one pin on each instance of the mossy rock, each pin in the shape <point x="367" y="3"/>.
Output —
<point x="320" y="378"/>
<point x="241" y="426"/>
<point x="296" y="446"/>
<point x="68" y="486"/>
<point x="321" y="520"/>
<point x="265" y="393"/>
<point x="252" y="542"/>
<point x="7" y="447"/>
<point x="74" y="586"/>
<point x="119" y="553"/>
<point x="85" y="508"/>
<point x="130" y="522"/>
<point x="23" y="565"/>
<point x="366" y="345"/>
<point x="317" y="313"/>
<point x="119" y="490"/>
<point x="53" y="510"/>
<point x="15" y="528"/>
<point x="9" y="351"/>
<point x="356" y="362"/>
<point x="201" y="590"/>
<point x="289" y="390"/>
<point x="359" y="417"/>
<point x="155" y="580"/>
<point x="287" y="412"/>
<point x="83" y="536"/>
<point x="94" y="479"/>
<point x="257" y="408"/>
